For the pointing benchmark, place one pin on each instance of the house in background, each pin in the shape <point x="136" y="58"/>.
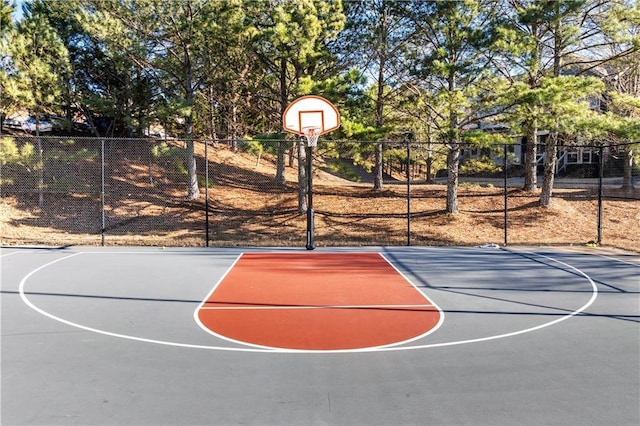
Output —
<point x="574" y="158"/>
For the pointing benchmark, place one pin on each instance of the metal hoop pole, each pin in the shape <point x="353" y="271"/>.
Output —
<point x="310" y="224"/>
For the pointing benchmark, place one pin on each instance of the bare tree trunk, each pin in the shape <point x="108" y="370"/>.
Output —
<point x="453" y="164"/>
<point x="551" y="147"/>
<point x="213" y="134"/>
<point x="234" y="127"/>
<point x="292" y="156"/>
<point x="530" y="164"/>
<point x="627" y="171"/>
<point x="378" y="177"/>
<point x="550" y="160"/>
<point x="378" y="181"/>
<point x="453" y="152"/>
<point x="193" y="192"/>
<point x="531" y="124"/>
<point x="429" y="159"/>
<point x="280" y="179"/>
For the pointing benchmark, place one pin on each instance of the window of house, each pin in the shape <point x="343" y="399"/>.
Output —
<point x="595" y="104"/>
<point x="572" y="157"/>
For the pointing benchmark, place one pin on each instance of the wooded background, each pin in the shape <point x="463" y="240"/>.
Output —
<point x="458" y="73"/>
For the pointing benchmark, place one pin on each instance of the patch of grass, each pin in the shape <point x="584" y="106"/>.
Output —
<point x="341" y="169"/>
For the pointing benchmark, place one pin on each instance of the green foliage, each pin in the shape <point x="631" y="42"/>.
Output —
<point x="202" y="182"/>
<point x="619" y="124"/>
<point x="479" y="166"/>
<point x="290" y="45"/>
<point x="267" y="142"/>
<point x="623" y="121"/>
<point x="253" y="147"/>
<point x="555" y="101"/>
<point x="342" y="169"/>
<point x="67" y="157"/>
<point x="229" y="66"/>
<point x="171" y="154"/>
<point x="12" y="154"/>
<point x="6" y="10"/>
<point x="166" y="151"/>
<point x="38" y="61"/>
<point x="626" y="129"/>
<point x="480" y="138"/>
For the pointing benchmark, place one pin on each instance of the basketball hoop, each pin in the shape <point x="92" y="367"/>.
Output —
<point x="310" y="116"/>
<point x="312" y="134"/>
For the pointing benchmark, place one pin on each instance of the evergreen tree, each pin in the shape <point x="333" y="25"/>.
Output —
<point x="6" y="25"/>
<point x="375" y="39"/>
<point x="454" y="59"/>
<point x="623" y="118"/>
<point x="170" y="39"/>
<point x="543" y="41"/>
<point x="578" y="29"/>
<point x="229" y="89"/>
<point x="6" y="11"/>
<point x="291" y="44"/>
<point x="36" y="61"/>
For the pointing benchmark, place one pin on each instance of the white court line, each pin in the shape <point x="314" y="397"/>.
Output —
<point x="440" y="311"/>
<point x="213" y="308"/>
<point x="26" y="300"/>
<point x="14" y="252"/>
<point x="590" y="252"/>
<point x="618" y="260"/>
<point x="196" y="317"/>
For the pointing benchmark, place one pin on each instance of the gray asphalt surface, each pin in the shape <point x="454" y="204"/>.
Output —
<point x="531" y="336"/>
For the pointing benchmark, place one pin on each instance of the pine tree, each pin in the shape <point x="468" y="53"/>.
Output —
<point x="544" y="42"/>
<point x="291" y="43"/>
<point x="37" y="59"/>
<point x="623" y="118"/>
<point x="170" y="39"/>
<point x="455" y="57"/>
<point x="375" y="39"/>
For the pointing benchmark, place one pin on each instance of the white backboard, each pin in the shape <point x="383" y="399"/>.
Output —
<point x="311" y="111"/>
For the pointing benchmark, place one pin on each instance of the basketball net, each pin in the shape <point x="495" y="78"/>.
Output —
<point x="312" y="134"/>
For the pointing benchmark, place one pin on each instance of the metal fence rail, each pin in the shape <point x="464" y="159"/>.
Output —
<point x="133" y="191"/>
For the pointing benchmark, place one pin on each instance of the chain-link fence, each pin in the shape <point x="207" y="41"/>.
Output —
<point x="91" y="191"/>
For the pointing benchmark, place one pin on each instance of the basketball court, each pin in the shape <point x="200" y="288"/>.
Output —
<point x="362" y="336"/>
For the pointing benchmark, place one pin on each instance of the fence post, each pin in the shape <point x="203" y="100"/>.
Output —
<point x="206" y="192"/>
<point x="600" y="176"/>
<point x="102" y="202"/>
<point x="408" y="191"/>
<point x="506" y="192"/>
